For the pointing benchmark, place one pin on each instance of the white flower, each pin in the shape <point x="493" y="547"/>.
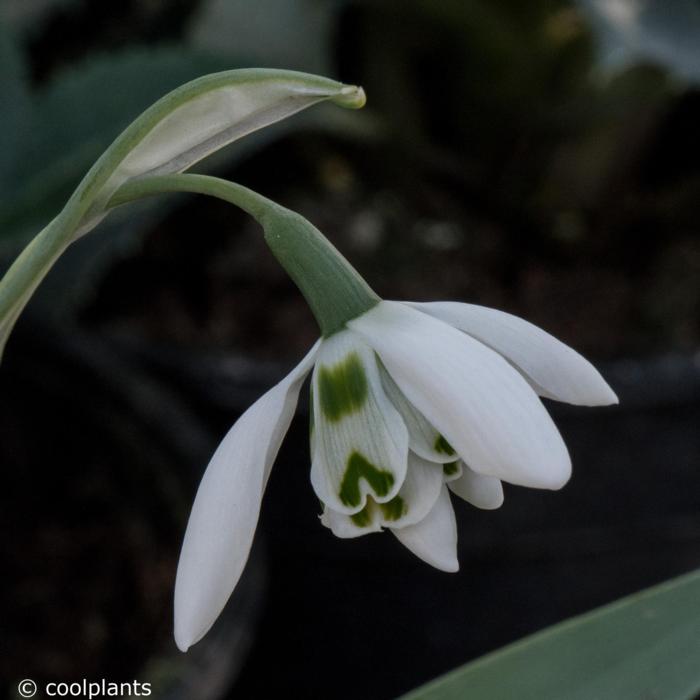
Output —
<point x="410" y="402"/>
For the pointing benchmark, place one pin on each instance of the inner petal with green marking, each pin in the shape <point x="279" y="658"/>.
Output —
<point x="423" y="438"/>
<point x="416" y="497"/>
<point x="360" y="441"/>
<point x="388" y="512"/>
<point x="359" y="468"/>
<point x="444" y="447"/>
<point x="342" y="388"/>
<point x="452" y="470"/>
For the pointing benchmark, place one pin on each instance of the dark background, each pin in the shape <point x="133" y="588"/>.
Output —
<point x="538" y="157"/>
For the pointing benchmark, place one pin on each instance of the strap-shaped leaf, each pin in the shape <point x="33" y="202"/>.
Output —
<point x="644" y="646"/>
<point x="180" y="129"/>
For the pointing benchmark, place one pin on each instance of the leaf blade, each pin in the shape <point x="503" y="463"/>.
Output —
<point x="644" y="646"/>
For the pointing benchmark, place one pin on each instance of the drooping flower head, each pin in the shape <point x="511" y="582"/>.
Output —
<point x="409" y="403"/>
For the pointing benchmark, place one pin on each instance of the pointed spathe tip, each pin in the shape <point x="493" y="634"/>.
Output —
<point x="351" y="96"/>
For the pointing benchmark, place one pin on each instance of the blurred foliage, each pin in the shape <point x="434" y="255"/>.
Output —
<point x="506" y="88"/>
<point x="656" y="31"/>
<point x="67" y="124"/>
<point x="506" y="130"/>
<point x="16" y="107"/>
<point x="295" y="35"/>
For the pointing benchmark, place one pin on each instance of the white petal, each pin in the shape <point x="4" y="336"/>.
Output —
<point x="481" y="491"/>
<point x="360" y="440"/>
<point x="419" y="492"/>
<point x="416" y="498"/>
<point x="434" y="539"/>
<point x="423" y="438"/>
<point x="554" y="369"/>
<point x="225" y="512"/>
<point x="480" y="403"/>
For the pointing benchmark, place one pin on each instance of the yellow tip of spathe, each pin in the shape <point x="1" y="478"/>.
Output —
<point x="351" y="96"/>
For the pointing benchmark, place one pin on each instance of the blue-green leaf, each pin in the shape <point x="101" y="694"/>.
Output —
<point x="654" y="31"/>
<point x="16" y="106"/>
<point x="644" y="646"/>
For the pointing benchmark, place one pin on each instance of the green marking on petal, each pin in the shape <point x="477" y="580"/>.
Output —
<point x="359" y="468"/>
<point x="394" y="509"/>
<point x="450" y="469"/>
<point x="443" y="447"/>
<point x="364" y="517"/>
<point x="342" y="389"/>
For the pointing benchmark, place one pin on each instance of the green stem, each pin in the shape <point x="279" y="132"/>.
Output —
<point x="334" y="290"/>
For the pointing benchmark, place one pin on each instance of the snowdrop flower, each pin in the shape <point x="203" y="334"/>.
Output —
<point x="410" y="402"/>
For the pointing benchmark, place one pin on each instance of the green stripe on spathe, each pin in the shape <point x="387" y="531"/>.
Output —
<point x="451" y="468"/>
<point x="359" y="468"/>
<point x="342" y="389"/>
<point x="443" y="447"/>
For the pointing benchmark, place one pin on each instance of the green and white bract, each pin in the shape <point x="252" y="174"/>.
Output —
<point x="410" y="402"/>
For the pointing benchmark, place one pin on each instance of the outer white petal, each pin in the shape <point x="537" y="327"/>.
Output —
<point x="481" y="491"/>
<point x="416" y="498"/>
<point x="480" y="403"/>
<point x="371" y="431"/>
<point x="434" y="539"/>
<point x="554" y="369"/>
<point x="225" y="512"/>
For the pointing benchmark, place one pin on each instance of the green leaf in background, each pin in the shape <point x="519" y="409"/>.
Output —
<point x="65" y="140"/>
<point x="271" y="33"/>
<point x="656" y="31"/>
<point x="15" y="112"/>
<point x="643" y="647"/>
<point x="27" y="14"/>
